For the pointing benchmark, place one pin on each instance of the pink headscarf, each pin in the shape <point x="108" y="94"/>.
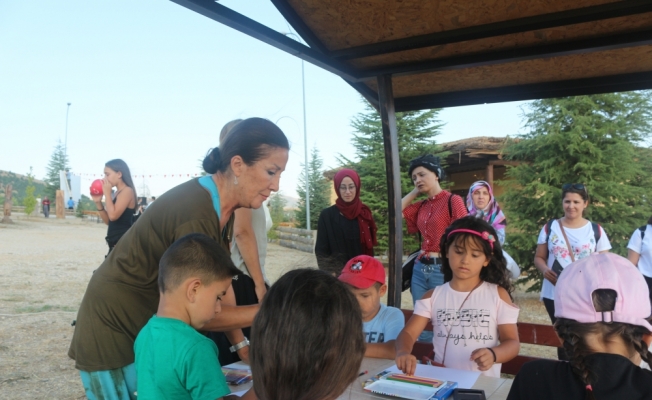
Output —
<point x="357" y="210"/>
<point x="492" y="213"/>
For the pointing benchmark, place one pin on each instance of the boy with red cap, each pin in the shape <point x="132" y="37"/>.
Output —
<point x="365" y="277"/>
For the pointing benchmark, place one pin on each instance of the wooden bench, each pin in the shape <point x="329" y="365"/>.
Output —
<point x="542" y="335"/>
<point x="298" y="239"/>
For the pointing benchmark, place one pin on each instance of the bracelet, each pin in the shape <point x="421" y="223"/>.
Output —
<point x="240" y="345"/>
<point x="101" y="210"/>
<point x="492" y="352"/>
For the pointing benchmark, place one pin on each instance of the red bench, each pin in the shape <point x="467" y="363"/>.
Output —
<point x="542" y="335"/>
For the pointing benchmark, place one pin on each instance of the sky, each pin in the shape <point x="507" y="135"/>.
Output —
<point x="153" y="83"/>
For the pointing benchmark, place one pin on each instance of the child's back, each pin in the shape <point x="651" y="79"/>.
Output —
<point x="175" y="361"/>
<point x="618" y="379"/>
<point x="603" y="319"/>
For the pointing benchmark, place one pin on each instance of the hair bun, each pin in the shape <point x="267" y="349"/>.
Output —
<point x="212" y="162"/>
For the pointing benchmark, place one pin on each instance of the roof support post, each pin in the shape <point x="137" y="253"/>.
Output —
<point x="393" y="171"/>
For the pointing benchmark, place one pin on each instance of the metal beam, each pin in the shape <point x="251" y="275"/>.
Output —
<point x="545" y="90"/>
<point x="248" y="26"/>
<point x="299" y="25"/>
<point x="538" y="22"/>
<point x="393" y="172"/>
<point x="583" y="46"/>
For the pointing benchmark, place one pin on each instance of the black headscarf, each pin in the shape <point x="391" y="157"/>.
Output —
<point x="428" y="162"/>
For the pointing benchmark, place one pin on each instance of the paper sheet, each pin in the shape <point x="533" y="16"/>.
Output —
<point x="464" y="379"/>
<point x="245" y="387"/>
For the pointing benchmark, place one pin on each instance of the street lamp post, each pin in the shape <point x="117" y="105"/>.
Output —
<point x="65" y="145"/>
<point x="305" y="134"/>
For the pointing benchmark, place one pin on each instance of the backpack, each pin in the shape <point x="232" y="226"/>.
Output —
<point x="597" y="232"/>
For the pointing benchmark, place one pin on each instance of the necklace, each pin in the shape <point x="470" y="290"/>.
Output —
<point x="448" y="332"/>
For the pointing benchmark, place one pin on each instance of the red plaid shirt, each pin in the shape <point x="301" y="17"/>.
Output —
<point x="433" y="218"/>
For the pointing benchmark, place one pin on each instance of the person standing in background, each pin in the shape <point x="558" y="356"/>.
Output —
<point x="46" y="207"/>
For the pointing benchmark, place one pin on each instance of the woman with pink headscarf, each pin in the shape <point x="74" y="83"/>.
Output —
<point x="346" y="229"/>
<point x="481" y="203"/>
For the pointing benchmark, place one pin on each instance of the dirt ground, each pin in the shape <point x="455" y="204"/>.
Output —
<point x="45" y="266"/>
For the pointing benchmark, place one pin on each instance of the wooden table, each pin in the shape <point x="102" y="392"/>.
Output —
<point x="494" y="388"/>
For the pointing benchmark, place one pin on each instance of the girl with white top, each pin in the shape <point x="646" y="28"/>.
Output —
<point x="566" y="240"/>
<point x="473" y="317"/>
<point x="639" y="252"/>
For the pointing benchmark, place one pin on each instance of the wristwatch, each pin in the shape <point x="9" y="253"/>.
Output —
<point x="240" y="345"/>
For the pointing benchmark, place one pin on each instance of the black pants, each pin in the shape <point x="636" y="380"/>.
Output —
<point x="550" y="308"/>
<point x="245" y="294"/>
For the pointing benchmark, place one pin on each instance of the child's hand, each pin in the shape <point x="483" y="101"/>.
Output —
<point x="243" y="353"/>
<point x="484" y="358"/>
<point x="406" y="362"/>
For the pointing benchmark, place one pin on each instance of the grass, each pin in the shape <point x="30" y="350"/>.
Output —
<point x="46" y="307"/>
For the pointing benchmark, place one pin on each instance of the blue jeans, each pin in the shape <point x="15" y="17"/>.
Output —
<point x="424" y="278"/>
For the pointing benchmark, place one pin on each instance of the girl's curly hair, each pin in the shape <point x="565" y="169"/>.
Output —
<point x="496" y="271"/>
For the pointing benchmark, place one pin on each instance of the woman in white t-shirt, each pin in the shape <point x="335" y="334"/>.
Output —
<point x="639" y="252"/>
<point x="553" y="254"/>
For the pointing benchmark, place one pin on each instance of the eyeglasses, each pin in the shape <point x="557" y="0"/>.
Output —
<point x="350" y="188"/>
<point x="577" y="186"/>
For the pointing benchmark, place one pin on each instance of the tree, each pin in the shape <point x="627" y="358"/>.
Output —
<point x="277" y="208"/>
<point x="416" y="136"/>
<point x="58" y="162"/>
<point x="585" y="139"/>
<point x="319" y="191"/>
<point x="29" y="201"/>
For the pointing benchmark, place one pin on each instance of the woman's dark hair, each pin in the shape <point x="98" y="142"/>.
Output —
<point x="120" y="166"/>
<point x="306" y="340"/>
<point x="573" y="335"/>
<point x="649" y="221"/>
<point x="227" y="128"/>
<point x="496" y="271"/>
<point x="584" y="193"/>
<point x="252" y="139"/>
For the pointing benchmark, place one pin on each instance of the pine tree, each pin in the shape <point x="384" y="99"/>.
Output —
<point x="29" y="201"/>
<point x="58" y="162"/>
<point x="586" y="139"/>
<point x="277" y="208"/>
<point x="416" y="136"/>
<point x="319" y="190"/>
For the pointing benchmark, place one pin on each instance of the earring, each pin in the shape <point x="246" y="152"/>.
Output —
<point x="235" y="180"/>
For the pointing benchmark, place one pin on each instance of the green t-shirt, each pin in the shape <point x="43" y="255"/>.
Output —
<point x="174" y="361"/>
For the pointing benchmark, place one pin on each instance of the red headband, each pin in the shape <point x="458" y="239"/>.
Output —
<point x="485" y="235"/>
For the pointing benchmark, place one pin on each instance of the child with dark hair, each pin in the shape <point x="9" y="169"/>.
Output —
<point x="173" y="360"/>
<point x="603" y="319"/>
<point x="473" y="317"/>
<point x="306" y="340"/>
<point x="365" y="277"/>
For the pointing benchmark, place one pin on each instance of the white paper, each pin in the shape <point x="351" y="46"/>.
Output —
<point x="464" y="379"/>
<point x="240" y="393"/>
<point x="239" y="365"/>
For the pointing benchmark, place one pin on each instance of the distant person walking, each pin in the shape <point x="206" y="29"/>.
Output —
<point x="46" y="207"/>
<point x="346" y="229"/>
<point x="71" y="204"/>
<point x="118" y="213"/>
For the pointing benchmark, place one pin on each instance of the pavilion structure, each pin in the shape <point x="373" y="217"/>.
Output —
<point x="406" y="55"/>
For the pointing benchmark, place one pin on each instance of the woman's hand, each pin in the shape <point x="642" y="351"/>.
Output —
<point x="483" y="357"/>
<point x="406" y="362"/>
<point x="243" y="353"/>
<point x="550" y="275"/>
<point x="260" y="291"/>
<point x="106" y="187"/>
<point x="97" y="199"/>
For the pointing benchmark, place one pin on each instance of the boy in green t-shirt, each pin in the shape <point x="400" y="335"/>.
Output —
<point x="173" y="360"/>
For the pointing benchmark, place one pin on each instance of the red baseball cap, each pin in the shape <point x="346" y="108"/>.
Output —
<point x="362" y="272"/>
